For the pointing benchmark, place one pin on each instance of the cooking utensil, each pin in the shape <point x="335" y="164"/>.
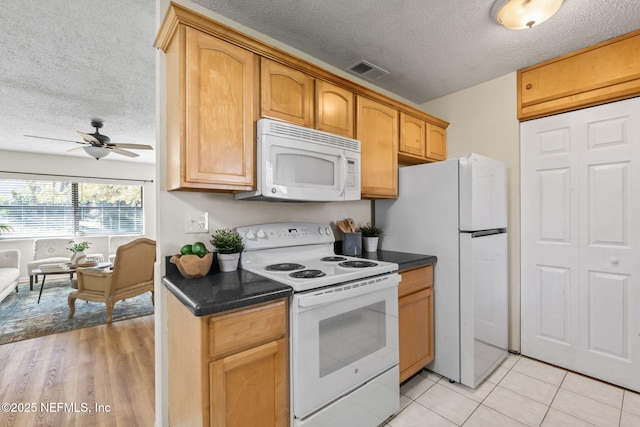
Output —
<point x="343" y="225"/>
<point x="352" y="225"/>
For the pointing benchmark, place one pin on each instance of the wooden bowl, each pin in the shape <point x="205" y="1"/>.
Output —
<point x="192" y="266"/>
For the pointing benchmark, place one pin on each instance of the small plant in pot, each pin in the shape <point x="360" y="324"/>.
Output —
<point x="228" y="244"/>
<point x="78" y="257"/>
<point x="370" y="235"/>
<point x="194" y="261"/>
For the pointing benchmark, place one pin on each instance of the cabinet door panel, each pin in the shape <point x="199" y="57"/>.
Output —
<point x="286" y="94"/>
<point x="334" y="109"/>
<point x="436" y="142"/>
<point x="250" y="388"/>
<point x="415" y="320"/>
<point x="218" y="147"/>
<point x="377" y="130"/>
<point x="412" y="135"/>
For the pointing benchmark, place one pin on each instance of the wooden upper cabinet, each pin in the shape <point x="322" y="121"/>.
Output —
<point x="436" y="142"/>
<point x="286" y="94"/>
<point x="211" y="109"/>
<point x="377" y="130"/>
<point x="334" y="109"/>
<point x="608" y="71"/>
<point x="420" y="141"/>
<point x="412" y="135"/>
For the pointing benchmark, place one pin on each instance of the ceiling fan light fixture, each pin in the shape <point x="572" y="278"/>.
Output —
<point x="519" y="14"/>
<point x="96" y="152"/>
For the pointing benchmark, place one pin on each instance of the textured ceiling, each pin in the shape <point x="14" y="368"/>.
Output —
<point x="65" y="62"/>
<point x="431" y="47"/>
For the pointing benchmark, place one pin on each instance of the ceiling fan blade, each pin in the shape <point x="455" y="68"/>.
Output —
<point x="123" y="152"/>
<point x="133" y="146"/>
<point x="75" y="149"/>
<point x="89" y="138"/>
<point x="54" y="139"/>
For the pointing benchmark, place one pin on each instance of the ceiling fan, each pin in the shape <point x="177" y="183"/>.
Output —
<point x="98" y="145"/>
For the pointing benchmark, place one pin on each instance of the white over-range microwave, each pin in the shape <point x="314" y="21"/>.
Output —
<point x="295" y="163"/>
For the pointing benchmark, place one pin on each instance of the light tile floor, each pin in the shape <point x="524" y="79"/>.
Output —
<point x="521" y="392"/>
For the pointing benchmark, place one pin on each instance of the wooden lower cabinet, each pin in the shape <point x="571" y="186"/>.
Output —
<point x="415" y="320"/>
<point x="229" y="369"/>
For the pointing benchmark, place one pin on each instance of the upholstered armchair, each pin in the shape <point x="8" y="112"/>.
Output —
<point x="132" y="275"/>
<point x="115" y="242"/>
<point x="47" y="251"/>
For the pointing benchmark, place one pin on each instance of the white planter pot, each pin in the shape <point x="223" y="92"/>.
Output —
<point x="78" y="258"/>
<point x="370" y="244"/>
<point x="228" y="262"/>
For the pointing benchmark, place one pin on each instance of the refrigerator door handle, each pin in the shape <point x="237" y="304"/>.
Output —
<point x="483" y="233"/>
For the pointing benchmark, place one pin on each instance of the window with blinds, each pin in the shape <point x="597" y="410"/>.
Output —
<point x="59" y="208"/>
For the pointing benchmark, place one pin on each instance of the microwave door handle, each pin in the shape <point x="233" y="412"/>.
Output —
<point x="344" y="174"/>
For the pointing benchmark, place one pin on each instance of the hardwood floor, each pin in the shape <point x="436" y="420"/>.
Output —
<point x="62" y="379"/>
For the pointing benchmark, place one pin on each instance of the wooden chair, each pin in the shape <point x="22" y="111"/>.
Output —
<point x="132" y="275"/>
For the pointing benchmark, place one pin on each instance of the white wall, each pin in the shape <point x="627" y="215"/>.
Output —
<point x="22" y="165"/>
<point x="483" y="120"/>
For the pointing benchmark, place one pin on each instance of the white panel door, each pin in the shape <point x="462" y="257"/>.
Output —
<point x="580" y="241"/>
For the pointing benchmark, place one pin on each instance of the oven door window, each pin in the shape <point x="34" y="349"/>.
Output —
<point x="352" y="336"/>
<point x="340" y="345"/>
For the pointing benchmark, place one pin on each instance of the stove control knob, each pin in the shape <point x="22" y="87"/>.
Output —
<point x="261" y="234"/>
<point x="327" y="231"/>
<point x="250" y="235"/>
<point x="321" y="230"/>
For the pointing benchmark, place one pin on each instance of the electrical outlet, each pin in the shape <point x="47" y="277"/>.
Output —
<point x="196" y="222"/>
<point x="343" y="216"/>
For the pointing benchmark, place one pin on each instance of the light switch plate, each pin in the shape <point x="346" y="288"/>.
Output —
<point x="196" y="222"/>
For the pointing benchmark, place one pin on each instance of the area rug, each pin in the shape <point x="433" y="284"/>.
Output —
<point x="21" y="317"/>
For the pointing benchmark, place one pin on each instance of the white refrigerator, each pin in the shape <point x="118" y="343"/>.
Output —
<point x="457" y="210"/>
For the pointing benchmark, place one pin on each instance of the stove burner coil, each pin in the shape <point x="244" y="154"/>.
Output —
<point x="307" y="274"/>
<point x="357" y="264"/>
<point x="333" y="259"/>
<point x="285" y="266"/>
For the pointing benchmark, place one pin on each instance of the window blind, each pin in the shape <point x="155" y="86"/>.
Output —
<point x="36" y="208"/>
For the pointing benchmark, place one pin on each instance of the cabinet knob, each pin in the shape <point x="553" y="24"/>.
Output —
<point x="528" y="86"/>
<point x="614" y="260"/>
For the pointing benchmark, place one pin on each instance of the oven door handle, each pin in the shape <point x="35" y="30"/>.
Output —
<point x="348" y="290"/>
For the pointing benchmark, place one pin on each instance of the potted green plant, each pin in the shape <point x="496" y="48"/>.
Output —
<point x="78" y="249"/>
<point x="370" y="235"/>
<point x="5" y="228"/>
<point x="228" y="245"/>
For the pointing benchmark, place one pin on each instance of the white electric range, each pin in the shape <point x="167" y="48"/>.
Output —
<point x="344" y="324"/>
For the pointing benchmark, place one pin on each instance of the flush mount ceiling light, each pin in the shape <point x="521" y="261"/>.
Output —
<point x="519" y="14"/>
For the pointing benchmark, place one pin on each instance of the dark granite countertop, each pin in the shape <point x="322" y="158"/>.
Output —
<point x="405" y="260"/>
<point x="220" y="292"/>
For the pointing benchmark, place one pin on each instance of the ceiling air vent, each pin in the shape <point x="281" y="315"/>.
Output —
<point x="367" y="70"/>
